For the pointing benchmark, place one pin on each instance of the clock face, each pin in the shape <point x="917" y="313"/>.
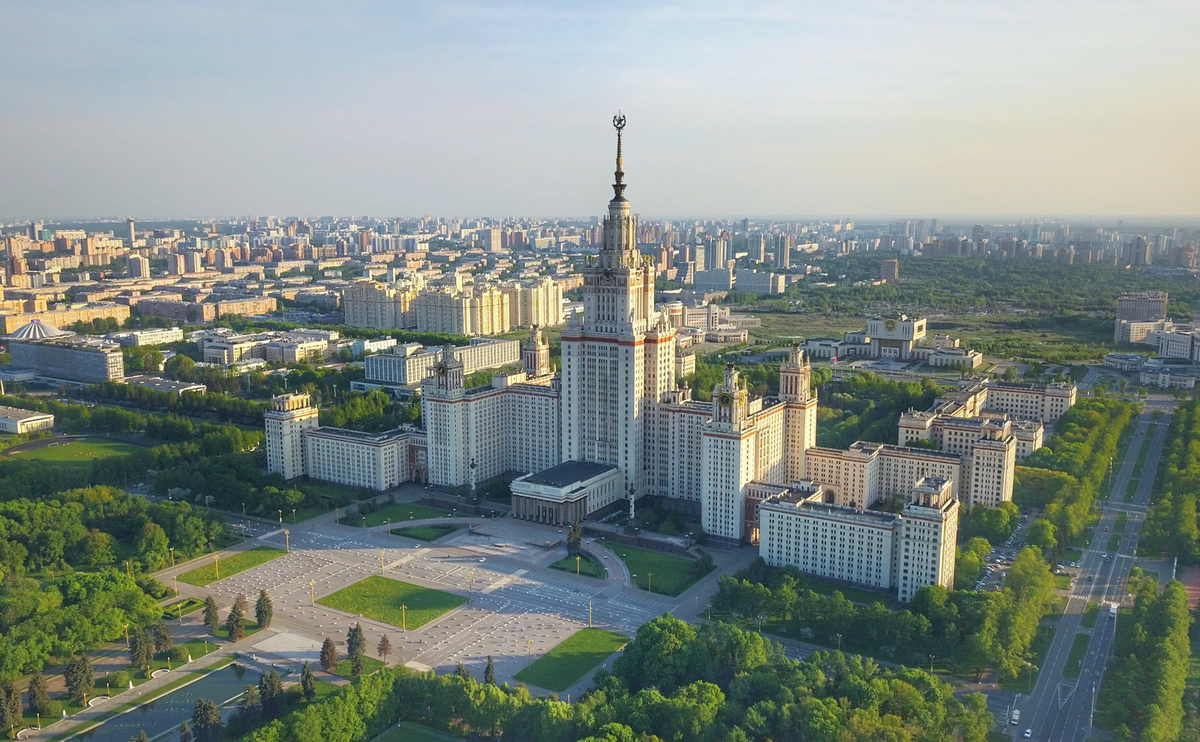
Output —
<point x="890" y="325"/>
<point x="725" y="399"/>
<point x="440" y="369"/>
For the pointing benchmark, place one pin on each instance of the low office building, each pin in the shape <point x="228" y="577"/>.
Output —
<point x="568" y="493"/>
<point x="160" y="384"/>
<point x="1125" y="362"/>
<point x="17" y="421"/>
<point x="900" y="552"/>
<point x="67" y="358"/>
<point x="151" y="336"/>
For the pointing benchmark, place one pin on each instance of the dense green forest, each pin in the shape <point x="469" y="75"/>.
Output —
<point x="1066" y="475"/>
<point x="674" y="682"/>
<point x="1143" y="691"/>
<point x="1171" y="526"/>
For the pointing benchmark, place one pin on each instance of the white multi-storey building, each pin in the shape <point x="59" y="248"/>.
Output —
<point x="408" y="364"/>
<point x="378" y="461"/>
<point x="902" y="552"/>
<point x="290" y="415"/>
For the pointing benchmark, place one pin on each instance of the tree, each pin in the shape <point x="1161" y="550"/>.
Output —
<point x="575" y="540"/>
<point x="235" y="622"/>
<point x="462" y="672"/>
<point x="384" y="648"/>
<point x="206" y="721"/>
<point x="356" y="641"/>
<point x="263" y="610"/>
<point x="152" y="546"/>
<point x="252" y="708"/>
<point x="211" y="619"/>
<point x="179" y="367"/>
<point x="270" y="687"/>
<point x="141" y="649"/>
<point x="185" y="732"/>
<point x="1041" y="535"/>
<point x="79" y="677"/>
<point x="489" y="672"/>
<point x="329" y="655"/>
<point x="37" y="694"/>
<point x="357" y="666"/>
<point x="308" y="683"/>
<point x="163" y="640"/>
<point x="10" y="706"/>
<point x="140" y="737"/>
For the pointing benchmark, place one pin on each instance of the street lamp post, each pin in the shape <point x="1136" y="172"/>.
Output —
<point x="217" y="564"/>
<point x="312" y="591"/>
<point x="281" y="516"/>
<point x="293" y="516"/>
<point x="404" y="617"/>
<point x="287" y="540"/>
<point x="576" y="565"/>
<point x="839" y="638"/>
<point x="589" y="614"/>
<point x="650" y="581"/>
<point x="172" y="550"/>
<point x="127" y="635"/>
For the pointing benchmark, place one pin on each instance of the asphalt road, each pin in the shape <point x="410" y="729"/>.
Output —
<point x="1062" y="708"/>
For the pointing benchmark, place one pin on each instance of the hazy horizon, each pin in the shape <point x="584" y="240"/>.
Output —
<point x="867" y="110"/>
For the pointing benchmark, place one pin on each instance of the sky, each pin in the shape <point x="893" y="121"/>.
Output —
<point x="825" y="109"/>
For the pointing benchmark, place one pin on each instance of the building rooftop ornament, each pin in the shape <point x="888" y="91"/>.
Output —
<point x="619" y="186"/>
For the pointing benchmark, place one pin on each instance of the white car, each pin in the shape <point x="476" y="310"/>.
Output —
<point x="1028" y="733"/>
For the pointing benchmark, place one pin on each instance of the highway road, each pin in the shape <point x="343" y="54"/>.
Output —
<point x="1062" y="708"/>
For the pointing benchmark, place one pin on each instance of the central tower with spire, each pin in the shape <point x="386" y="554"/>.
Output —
<point x="619" y="361"/>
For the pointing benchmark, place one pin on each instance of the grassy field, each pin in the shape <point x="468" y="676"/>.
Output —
<point x="564" y="665"/>
<point x="231" y="565"/>
<point x="345" y="666"/>
<point x="1090" y="614"/>
<point x="381" y="598"/>
<point x="661" y="573"/>
<point x="1062" y="582"/>
<point x="79" y="451"/>
<point x="425" y="533"/>
<point x="1114" y="542"/>
<point x="395" y="512"/>
<point x="1079" y="647"/>
<point x="182" y="608"/>
<point x="589" y="566"/>
<point x="1131" y="490"/>
<point x="406" y="731"/>
<point x="251" y="628"/>
<point x="1122" y="521"/>
<point x="1145" y="451"/>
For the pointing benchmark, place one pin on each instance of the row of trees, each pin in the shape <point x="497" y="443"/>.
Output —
<point x="216" y="403"/>
<point x="1171" y="524"/>
<point x="1082" y="448"/>
<point x="1142" y="696"/>
<point x="972" y="630"/>
<point x="712" y="683"/>
<point x="867" y="407"/>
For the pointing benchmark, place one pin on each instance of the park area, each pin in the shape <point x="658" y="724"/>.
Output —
<point x="73" y="451"/>
<point x="564" y="665"/>
<point x="396" y="512"/>
<point x="398" y="603"/>
<point x="424" y="533"/>
<point x="665" y="574"/>
<point x="231" y="565"/>
<point x="587" y="565"/>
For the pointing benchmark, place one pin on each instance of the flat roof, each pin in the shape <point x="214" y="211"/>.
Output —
<point x="568" y="472"/>
<point x="15" y="413"/>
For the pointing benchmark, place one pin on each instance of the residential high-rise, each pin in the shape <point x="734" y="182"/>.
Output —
<point x="139" y="267"/>
<point x="619" y="362"/>
<point x="131" y="231"/>
<point x="890" y="270"/>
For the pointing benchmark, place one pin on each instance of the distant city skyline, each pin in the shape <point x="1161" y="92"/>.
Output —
<point x="868" y="110"/>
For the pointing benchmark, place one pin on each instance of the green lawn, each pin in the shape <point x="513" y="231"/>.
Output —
<point x="1144" y="452"/>
<point x="657" y="572"/>
<point x="395" y="512"/>
<point x="370" y="665"/>
<point x="1122" y="521"/>
<point x="1131" y="490"/>
<point x="80" y="451"/>
<point x="1090" y="614"/>
<point x="589" y="566"/>
<point x="425" y="533"/>
<point x="381" y="598"/>
<point x="406" y="731"/>
<point x="231" y="565"/>
<point x="251" y="628"/>
<point x="1056" y="608"/>
<point x="182" y="608"/>
<point x="1079" y="647"/>
<point x="1114" y="542"/>
<point x="564" y="665"/>
<point x="1062" y="582"/>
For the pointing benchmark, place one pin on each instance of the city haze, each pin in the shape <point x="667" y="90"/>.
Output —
<point x="472" y="109"/>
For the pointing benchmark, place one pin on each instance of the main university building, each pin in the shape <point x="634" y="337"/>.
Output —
<point x="615" y="426"/>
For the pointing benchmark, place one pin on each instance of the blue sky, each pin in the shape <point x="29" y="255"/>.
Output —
<point x="492" y="109"/>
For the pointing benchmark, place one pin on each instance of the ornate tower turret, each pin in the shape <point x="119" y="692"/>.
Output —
<point x="535" y="355"/>
<point x="795" y="377"/>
